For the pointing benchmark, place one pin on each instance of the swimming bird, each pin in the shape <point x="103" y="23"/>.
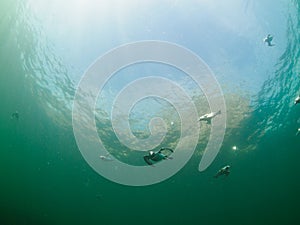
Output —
<point x="106" y="157"/>
<point x="15" y="115"/>
<point x="208" y="117"/>
<point x="268" y="40"/>
<point x="223" y="171"/>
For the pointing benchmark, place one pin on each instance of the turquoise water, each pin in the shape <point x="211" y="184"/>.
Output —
<point x="47" y="46"/>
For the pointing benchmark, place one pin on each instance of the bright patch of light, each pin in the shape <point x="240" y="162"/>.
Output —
<point x="79" y="9"/>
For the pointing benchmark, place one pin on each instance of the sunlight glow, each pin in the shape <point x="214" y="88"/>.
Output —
<point x="76" y="10"/>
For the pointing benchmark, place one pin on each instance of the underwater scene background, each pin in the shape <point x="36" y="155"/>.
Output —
<point x="45" y="48"/>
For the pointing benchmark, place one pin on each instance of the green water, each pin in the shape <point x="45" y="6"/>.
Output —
<point x="45" y="179"/>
